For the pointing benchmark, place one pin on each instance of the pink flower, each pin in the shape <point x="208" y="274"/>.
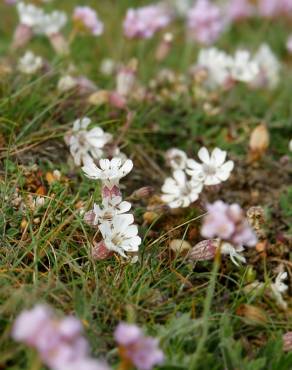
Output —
<point x="141" y="351"/>
<point x="145" y="21"/>
<point x="205" y="22"/>
<point x="239" y="9"/>
<point x="87" y="17"/>
<point x="59" y="342"/>
<point x="228" y="223"/>
<point x="270" y="8"/>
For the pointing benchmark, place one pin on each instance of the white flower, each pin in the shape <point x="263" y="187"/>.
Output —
<point x="213" y="170"/>
<point x="243" y="68"/>
<point x="278" y="288"/>
<point x="110" y="171"/>
<point x="86" y="144"/>
<point x="290" y="145"/>
<point x="120" y="235"/>
<point x="218" y="65"/>
<point x="269" y="66"/>
<point x="229" y="249"/>
<point x="176" y="159"/>
<point x="125" y="81"/>
<point x="179" y="192"/>
<point x="30" y="63"/>
<point x="181" y="7"/>
<point x="52" y="23"/>
<point x="107" y="66"/>
<point x="67" y="83"/>
<point x="29" y="14"/>
<point x="111" y="206"/>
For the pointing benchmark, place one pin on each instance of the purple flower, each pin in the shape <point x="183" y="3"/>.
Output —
<point x="228" y="223"/>
<point x="145" y="21"/>
<point x="88" y="19"/>
<point x="141" y="351"/>
<point x="205" y="22"/>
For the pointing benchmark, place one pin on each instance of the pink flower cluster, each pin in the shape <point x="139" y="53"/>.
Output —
<point x="59" y="342"/>
<point x="228" y="223"/>
<point x="274" y="8"/>
<point x="205" y="22"/>
<point x="145" y="21"/>
<point x="135" y="348"/>
<point x="88" y="19"/>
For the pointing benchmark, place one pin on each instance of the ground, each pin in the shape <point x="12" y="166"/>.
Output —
<point x="201" y="313"/>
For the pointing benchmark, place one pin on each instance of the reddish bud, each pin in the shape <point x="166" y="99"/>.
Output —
<point x="100" y="252"/>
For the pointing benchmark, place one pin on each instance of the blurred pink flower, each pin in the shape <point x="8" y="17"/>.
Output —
<point x="88" y="18"/>
<point x="205" y="22"/>
<point x="145" y="21"/>
<point x="143" y="352"/>
<point x="59" y="342"/>
<point x="270" y="8"/>
<point x="228" y="223"/>
<point x="239" y="9"/>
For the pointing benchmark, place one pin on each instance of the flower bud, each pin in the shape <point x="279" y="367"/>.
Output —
<point x="205" y="250"/>
<point x="100" y="252"/>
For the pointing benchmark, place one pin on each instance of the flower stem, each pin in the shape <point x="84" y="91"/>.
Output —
<point x="206" y="313"/>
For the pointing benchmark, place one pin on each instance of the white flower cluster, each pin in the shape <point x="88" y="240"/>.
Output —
<point x="259" y="70"/>
<point x="181" y="191"/>
<point x="30" y="63"/>
<point x="111" y="218"/>
<point x="86" y="144"/>
<point x="41" y="22"/>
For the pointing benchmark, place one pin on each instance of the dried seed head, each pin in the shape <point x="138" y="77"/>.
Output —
<point x="253" y="314"/>
<point x="259" y="142"/>
<point x="179" y="246"/>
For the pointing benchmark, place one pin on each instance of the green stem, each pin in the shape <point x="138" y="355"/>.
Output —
<point x="206" y="312"/>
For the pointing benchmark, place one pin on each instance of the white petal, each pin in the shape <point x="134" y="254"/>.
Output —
<point x="204" y="156"/>
<point x="218" y="157"/>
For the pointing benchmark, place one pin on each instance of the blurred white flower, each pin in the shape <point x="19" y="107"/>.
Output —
<point x="269" y="67"/>
<point x="111" y="206"/>
<point x="179" y="191"/>
<point x="217" y="64"/>
<point x="290" y="145"/>
<point x="107" y="66"/>
<point x="120" y="235"/>
<point x="110" y="171"/>
<point x="30" y="63"/>
<point x="51" y="23"/>
<point x="232" y="252"/>
<point x="29" y="14"/>
<point x="67" y="83"/>
<point x="244" y="68"/>
<point x="176" y="159"/>
<point x="278" y="288"/>
<point x="213" y="170"/>
<point x="86" y="144"/>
